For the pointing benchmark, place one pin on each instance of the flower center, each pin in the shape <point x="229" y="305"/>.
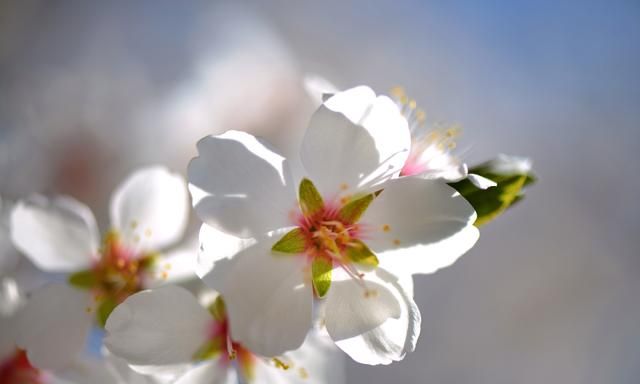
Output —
<point x="219" y="343"/>
<point x="119" y="273"/>
<point x="17" y="370"/>
<point x="329" y="236"/>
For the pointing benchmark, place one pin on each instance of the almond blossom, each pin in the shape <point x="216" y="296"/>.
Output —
<point x="149" y="212"/>
<point x="431" y="155"/>
<point x="167" y="328"/>
<point x="345" y="232"/>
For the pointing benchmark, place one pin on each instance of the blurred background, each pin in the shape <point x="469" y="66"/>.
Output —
<point x="91" y="90"/>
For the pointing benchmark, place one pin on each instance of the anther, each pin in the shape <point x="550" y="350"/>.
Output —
<point x="281" y="364"/>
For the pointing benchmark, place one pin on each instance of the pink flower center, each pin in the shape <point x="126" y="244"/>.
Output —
<point x="120" y="272"/>
<point x="326" y="234"/>
<point x="219" y="342"/>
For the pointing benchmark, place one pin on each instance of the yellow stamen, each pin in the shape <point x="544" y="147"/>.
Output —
<point x="280" y="364"/>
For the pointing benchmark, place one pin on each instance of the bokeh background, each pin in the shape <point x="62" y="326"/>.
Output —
<point x="90" y="90"/>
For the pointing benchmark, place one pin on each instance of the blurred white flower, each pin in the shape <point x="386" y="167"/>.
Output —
<point x="168" y="327"/>
<point x="352" y="223"/>
<point x="149" y="212"/>
<point x="15" y="367"/>
<point x="507" y="165"/>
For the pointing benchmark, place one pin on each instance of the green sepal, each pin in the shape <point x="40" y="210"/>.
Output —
<point x="83" y="279"/>
<point x="292" y="242"/>
<point x="360" y="254"/>
<point x="104" y="310"/>
<point x="353" y="210"/>
<point x="321" y="275"/>
<point x="210" y="349"/>
<point x="492" y="202"/>
<point x="310" y="199"/>
<point x="218" y="309"/>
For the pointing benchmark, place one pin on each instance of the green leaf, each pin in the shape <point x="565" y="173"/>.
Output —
<point x="83" y="279"/>
<point x="218" y="309"/>
<point x="360" y="253"/>
<point x="492" y="202"/>
<point x="292" y="242"/>
<point x="321" y="275"/>
<point x="310" y="199"/>
<point x="104" y="310"/>
<point x="353" y="210"/>
<point x="210" y="349"/>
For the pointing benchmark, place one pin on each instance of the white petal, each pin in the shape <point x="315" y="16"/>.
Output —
<point x="394" y="338"/>
<point x="240" y="185"/>
<point x="268" y="302"/>
<point x="452" y="171"/>
<point x="161" y="326"/>
<point x="318" y="88"/>
<point x="150" y="208"/>
<point x="127" y="375"/>
<point x="156" y="373"/>
<point x="216" y="250"/>
<point x="85" y="370"/>
<point x="480" y="181"/>
<point x="419" y="226"/>
<point x="11" y="297"/>
<point x="175" y="265"/>
<point x="352" y="308"/>
<point x="210" y="372"/>
<point x="318" y="361"/>
<point x="54" y="325"/>
<point x="266" y="373"/>
<point x="57" y="234"/>
<point x="355" y="139"/>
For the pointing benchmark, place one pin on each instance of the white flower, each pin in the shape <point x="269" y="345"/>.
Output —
<point x="167" y="327"/>
<point x="15" y="367"/>
<point x="350" y="224"/>
<point x="149" y="212"/>
<point x="431" y="155"/>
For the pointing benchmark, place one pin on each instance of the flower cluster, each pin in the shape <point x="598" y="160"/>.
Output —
<point x="295" y="256"/>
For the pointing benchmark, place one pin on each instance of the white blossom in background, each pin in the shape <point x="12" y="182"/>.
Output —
<point x="149" y="212"/>
<point x="431" y="155"/>
<point x="15" y="367"/>
<point x="353" y="222"/>
<point x="509" y="165"/>
<point x="167" y="327"/>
